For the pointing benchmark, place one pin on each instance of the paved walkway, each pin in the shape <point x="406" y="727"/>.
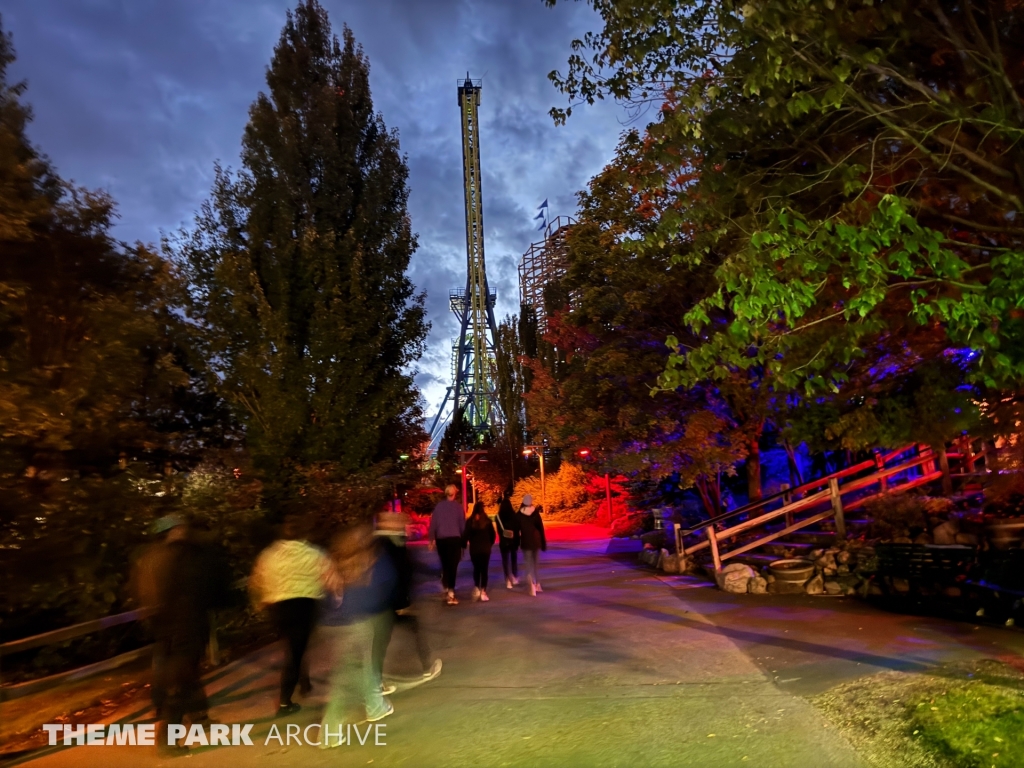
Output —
<point x="610" y="666"/>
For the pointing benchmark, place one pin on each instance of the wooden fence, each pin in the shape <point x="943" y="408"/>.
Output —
<point x="830" y="497"/>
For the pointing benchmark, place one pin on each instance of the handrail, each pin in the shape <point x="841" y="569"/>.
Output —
<point x="834" y="494"/>
<point x="808" y="486"/>
<point x="75" y="630"/>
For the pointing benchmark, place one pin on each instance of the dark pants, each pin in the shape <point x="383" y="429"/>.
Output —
<point x="294" y="621"/>
<point x="508" y="561"/>
<point x="481" y="563"/>
<point x="450" y="551"/>
<point x="413" y="623"/>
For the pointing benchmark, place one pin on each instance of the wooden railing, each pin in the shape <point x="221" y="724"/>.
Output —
<point x="824" y="498"/>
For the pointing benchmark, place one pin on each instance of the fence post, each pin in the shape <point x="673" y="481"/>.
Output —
<point x="837" y="507"/>
<point x="968" y="454"/>
<point x="787" y="499"/>
<point x="943" y="462"/>
<point x="680" y="550"/>
<point x="713" y="538"/>
<point x="880" y="465"/>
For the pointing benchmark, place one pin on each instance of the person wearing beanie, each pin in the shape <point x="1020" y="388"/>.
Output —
<point x="532" y="540"/>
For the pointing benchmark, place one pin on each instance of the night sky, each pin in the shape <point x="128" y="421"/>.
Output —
<point x="140" y="97"/>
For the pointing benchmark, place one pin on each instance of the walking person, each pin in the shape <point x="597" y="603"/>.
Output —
<point x="447" y="527"/>
<point x="179" y="587"/>
<point x="533" y="541"/>
<point x="391" y="534"/>
<point x="291" y="576"/>
<point x="356" y="624"/>
<point x="508" y="538"/>
<point x="480" y="537"/>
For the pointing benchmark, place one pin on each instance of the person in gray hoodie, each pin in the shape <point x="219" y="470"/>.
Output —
<point x="532" y="540"/>
<point x="447" y="528"/>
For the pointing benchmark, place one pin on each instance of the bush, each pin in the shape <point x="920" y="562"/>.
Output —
<point x="897" y="515"/>
<point x="632" y="524"/>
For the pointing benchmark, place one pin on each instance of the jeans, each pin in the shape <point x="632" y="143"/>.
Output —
<point x="530" y="561"/>
<point x="508" y="562"/>
<point x="450" y="552"/>
<point x="481" y="564"/>
<point x="294" y="620"/>
<point x="355" y="679"/>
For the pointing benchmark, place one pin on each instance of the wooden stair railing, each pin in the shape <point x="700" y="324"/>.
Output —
<point x="831" y="492"/>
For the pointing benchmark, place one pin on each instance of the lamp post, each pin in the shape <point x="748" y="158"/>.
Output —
<point x="467" y="457"/>
<point x="539" y="449"/>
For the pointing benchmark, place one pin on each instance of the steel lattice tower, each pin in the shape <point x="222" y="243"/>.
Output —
<point x="473" y="389"/>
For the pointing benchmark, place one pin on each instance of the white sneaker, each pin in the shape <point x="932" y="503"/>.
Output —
<point x="508" y="583"/>
<point x="434" y="671"/>
<point x="386" y="689"/>
<point x="483" y="597"/>
<point x="515" y="580"/>
<point x="476" y="593"/>
<point x="450" y="598"/>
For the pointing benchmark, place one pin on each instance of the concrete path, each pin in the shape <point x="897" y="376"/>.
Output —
<point x="610" y="666"/>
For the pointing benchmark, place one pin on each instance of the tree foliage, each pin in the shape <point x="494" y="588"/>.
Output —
<point x="297" y="267"/>
<point x="853" y="172"/>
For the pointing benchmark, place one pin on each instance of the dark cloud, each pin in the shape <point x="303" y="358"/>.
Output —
<point x="142" y="97"/>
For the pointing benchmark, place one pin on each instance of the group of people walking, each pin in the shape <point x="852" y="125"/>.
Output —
<point x="514" y="530"/>
<point x="357" y="592"/>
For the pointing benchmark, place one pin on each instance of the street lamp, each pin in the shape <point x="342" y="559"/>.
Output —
<point x="467" y="457"/>
<point x="539" y="449"/>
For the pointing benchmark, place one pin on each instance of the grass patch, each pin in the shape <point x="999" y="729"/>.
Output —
<point x="956" y="716"/>
<point x="976" y="725"/>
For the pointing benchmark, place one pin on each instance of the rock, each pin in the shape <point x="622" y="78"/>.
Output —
<point x="874" y="589"/>
<point x="901" y="585"/>
<point x="923" y="538"/>
<point x="734" y="578"/>
<point x="952" y="592"/>
<point x="826" y="561"/>
<point x="967" y="538"/>
<point x="669" y="563"/>
<point x="758" y="585"/>
<point x="816" y="553"/>
<point x="833" y="588"/>
<point x="830" y="572"/>
<point x="946" y="533"/>
<point x="815" y="586"/>
<point x="770" y="578"/>
<point x="843" y="568"/>
<point x="902" y="540"/>
<point x="850" y="591"/>
<point x="843" y="558"/>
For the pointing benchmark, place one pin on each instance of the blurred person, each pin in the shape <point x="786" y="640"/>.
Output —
<point x="391" y="533"/>
<point x="290" y="577"/>
<point x="362" y="617"/>
<point x="508" y="538"/>
<point x="532" y="539"/>
<point x="480" y="538"/>
<point x="175" y="581"/>
<point x="447" y="527"/>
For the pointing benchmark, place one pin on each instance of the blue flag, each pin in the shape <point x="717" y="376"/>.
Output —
<point x="543" y="205"/>
<point x="542" y="225"/>
<point x="539" y="215"/>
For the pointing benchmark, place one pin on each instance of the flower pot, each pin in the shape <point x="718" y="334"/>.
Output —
<point x="793" y="571"/>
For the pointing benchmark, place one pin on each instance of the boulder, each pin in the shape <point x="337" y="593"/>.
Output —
<point x="922" y="538"/>
<point x="874" y="589"/>
<point x="946" y="532"/>
<point x="968" y="539"/>
<point x="826" y="562"/>
<point x="816" y="553"/>
<point x="900" y="585"/>
<point x="843" y="558"/>
<point x="952" y="592"/>
<point x="833" y="588"/>
<point x="843" y="568"/>
<point x="734" y="578"/>
<point x="815" y="586"/>
<point x="669" y="563"/>
<point x="758" y="585"/>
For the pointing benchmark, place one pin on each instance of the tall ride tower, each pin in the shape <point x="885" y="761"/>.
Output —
<point x="473" y="389"/>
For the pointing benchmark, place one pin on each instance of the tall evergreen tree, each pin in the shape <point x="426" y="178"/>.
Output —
<point x="297" y="266"/>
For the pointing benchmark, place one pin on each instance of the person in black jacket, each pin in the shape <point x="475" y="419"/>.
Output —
<point x="508" y="538"/>
<point x="390" y="532"/>
<point x="480" y="538"/>
<point x="533" y="541"/>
